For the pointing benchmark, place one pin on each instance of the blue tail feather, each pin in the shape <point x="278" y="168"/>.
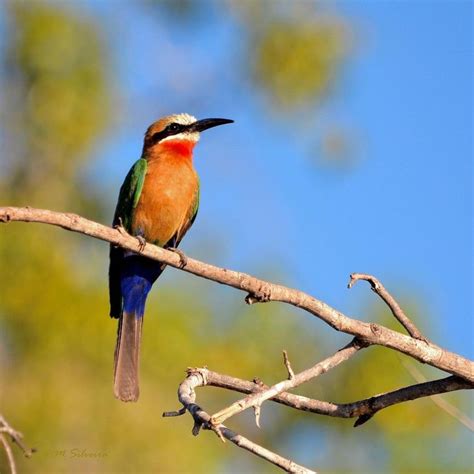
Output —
<point x="137" y="278"/>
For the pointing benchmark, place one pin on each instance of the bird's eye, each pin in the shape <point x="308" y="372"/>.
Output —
<point x="174" y="127"/>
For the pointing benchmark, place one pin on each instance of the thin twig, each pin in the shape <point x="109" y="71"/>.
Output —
<point x="397" y="311"/>
<point x="286" y="360"/>
<point x="9" y="453"/>
<point x="256" y="399"/>
<point x="179" y="412"/>
<point x="263" y="291"/>
<point x="257" y="411"/>
<point x="187" y="396"/>
<point x="16" y="437"/>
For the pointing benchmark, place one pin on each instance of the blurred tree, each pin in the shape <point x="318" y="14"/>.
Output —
<point x="57" y="101"/>
<point x="296" y="61"/>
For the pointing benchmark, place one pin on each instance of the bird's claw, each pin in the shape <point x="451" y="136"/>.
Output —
<point x="183" y="260"/>
<point x="120" y="227"/>
<point x="141" y="243"/>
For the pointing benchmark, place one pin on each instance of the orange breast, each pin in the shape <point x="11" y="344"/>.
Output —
<point x="168" y="193"/>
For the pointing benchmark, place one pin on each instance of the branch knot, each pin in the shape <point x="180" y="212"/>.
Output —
<point x="262" y="294"/>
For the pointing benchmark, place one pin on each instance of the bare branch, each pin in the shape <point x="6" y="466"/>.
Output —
<point x="187" y="396"/>
<point x="179" y="412"/>
<point x="16" y="437"/>
<point x="363" y="409"/>
<point x="256" y="399"/>
<point x="397" y="311"/>
<point x="257" y="410"/>
<point x="286" y="360"/>
<point x="368" y="406"/>
<point x="258" y="290"/>
<point x="9" y="453"/>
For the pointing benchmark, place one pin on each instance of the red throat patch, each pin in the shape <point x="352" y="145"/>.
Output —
<point x="180" y="147"/>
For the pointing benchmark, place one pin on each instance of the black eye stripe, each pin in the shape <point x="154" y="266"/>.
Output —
<point x="171" y="129"/>
<point x="175" y="127"/>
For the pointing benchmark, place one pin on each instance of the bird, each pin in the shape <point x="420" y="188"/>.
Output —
<point x="158" y="202"/>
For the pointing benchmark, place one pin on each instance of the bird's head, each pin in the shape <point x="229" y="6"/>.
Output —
<point x="178" y="133"/>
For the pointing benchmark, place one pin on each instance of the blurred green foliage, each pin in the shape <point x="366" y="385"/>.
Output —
<point x="297" y="62"/>
<point x="58" y="100"/>
<point x="56" y="341"/>
<point x="293" y="49"/>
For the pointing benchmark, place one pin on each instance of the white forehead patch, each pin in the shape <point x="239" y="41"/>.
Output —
<point x="183" y="119"/>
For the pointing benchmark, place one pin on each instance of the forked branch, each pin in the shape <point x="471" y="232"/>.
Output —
<point x="187" y="396"/>
<point x="256" y="399"/>
<point x="367" y="406"/>
<point x="364" y="410"/>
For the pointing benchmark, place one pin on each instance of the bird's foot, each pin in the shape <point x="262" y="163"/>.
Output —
<point x="120" y="227"/>
<point x="183" y="260"/>
<point x="141" y="243"/>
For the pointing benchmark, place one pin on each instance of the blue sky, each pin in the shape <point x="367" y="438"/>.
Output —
<point x="402" y="213"/>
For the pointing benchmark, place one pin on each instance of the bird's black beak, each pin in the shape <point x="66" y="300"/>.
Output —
<point x="204" y="124"/>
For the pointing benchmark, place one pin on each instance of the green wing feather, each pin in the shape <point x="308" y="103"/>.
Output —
<point x="128" y="199"/>
<point x="196" y="201"/>
<point x="130" y="194"/>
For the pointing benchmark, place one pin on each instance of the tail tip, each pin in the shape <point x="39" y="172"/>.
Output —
<point x="126" y="394"/>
